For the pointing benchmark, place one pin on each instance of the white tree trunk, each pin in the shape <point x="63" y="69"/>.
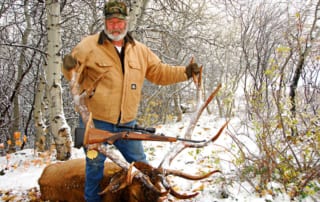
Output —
<point x="58" y="125"/>
<point x="40" y="104"/>
<point x="16" y="126"/>
<point x="135" y="13"/>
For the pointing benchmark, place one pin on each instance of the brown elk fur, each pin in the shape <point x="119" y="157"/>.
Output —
<point x="64" y="181"/>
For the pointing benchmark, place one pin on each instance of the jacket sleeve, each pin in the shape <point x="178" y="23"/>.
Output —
<point x="163" y="74"/>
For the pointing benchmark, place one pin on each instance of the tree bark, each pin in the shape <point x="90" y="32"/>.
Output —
<point x="16" y="99"/>
<point x="136" y="8"/>
<point x="304" y="50"/>
<point x="39" y="120"/>
<point x="59" y="128"/>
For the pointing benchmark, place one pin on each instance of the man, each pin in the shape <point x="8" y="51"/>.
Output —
<point x="118" y="64"/>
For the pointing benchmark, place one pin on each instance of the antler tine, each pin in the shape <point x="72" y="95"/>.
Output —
<point x="213" y="139"/>
<point x="126" y="166"/>
<point x="197" y="79"/>
<point x="193" y="121"/>
<point x="197" y="145"/>
<point x="192" y="60"/>
<point x="79" y="97"/>
<point x="195" y="117"/>
<point x="182" y="196"/>
<point x="174" y="193"/>
<point x="187" y="176"/>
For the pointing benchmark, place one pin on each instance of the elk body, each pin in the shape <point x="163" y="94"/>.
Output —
<point x="64" y="181"/>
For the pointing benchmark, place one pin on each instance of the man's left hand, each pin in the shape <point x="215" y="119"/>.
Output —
<point x="192" y="68"/>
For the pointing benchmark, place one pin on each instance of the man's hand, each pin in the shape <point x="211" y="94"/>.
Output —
<point x="69" y="62"/>
<point x="192" y="68"/>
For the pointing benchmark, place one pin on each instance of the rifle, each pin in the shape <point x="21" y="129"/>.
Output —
<point x="84" y="136"/>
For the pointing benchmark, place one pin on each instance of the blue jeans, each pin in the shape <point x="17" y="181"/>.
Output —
<point x="132" y="151"/>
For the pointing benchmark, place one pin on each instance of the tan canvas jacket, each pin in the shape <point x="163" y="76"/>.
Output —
<point x="117" y="94"/>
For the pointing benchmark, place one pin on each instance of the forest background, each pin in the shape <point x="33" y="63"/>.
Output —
<point x="265" y="53"/>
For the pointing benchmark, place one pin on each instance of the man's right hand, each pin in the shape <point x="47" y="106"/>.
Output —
<point x="192" y="68"/>
<point x="69" y="62"/>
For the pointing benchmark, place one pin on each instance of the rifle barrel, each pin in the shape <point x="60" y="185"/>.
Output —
<point x="188" y="140"/>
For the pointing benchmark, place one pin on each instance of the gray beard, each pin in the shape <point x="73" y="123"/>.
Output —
<point x="116" y="38"/>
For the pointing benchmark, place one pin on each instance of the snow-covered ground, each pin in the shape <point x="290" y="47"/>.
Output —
<point x="20" y="171"/>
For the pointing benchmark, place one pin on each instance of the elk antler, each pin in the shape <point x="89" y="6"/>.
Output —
<point x="146" y="174"/>
<point x="77" y="95"/>
<point x="183" y="145"/>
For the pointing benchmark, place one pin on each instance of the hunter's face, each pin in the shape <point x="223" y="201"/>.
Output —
<point x="116" y="28"/>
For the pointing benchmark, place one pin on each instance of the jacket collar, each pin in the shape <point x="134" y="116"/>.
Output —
<point x="103" y="37"/>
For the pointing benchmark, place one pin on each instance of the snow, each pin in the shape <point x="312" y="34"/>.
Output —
<point x="20" y="171"/>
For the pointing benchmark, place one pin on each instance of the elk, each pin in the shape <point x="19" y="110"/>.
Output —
<point x="136" y="182"/>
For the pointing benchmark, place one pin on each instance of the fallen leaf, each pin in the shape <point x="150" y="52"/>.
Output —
<point x="199" y="188"/>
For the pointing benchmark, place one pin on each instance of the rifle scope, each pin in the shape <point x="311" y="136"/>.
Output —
<point x="138" y="128"/>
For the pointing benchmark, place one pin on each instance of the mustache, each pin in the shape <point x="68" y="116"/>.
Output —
<point x="116" y="31"/>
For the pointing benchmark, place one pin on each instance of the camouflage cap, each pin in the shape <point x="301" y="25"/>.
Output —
<point x="115" y="9"/>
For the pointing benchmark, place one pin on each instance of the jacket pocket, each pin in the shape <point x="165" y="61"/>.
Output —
<point x="135" y="72"/>
<point x="103" y="64"/>
<point x="101" y="68"/>
<point x="134" y="65"/>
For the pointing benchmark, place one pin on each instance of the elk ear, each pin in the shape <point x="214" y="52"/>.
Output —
<point x="119" y="181"/>
<point x="148" y="170"/>
<point x="142" y="166"/>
